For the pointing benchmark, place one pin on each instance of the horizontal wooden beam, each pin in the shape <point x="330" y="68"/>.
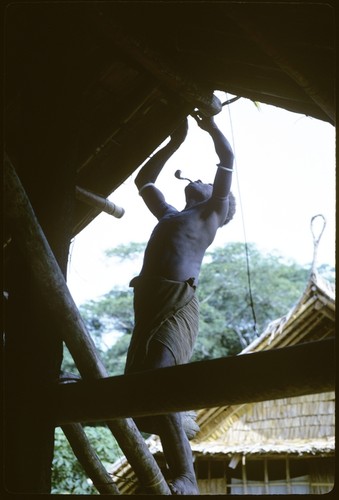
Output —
<point x="272" y="374"/>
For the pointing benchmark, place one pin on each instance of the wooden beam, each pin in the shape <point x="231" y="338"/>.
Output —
<point x="272" y="374"/>
<point x="99" y="202"/>
<point x="63" y="311"/>
<point x="284" y="61"/>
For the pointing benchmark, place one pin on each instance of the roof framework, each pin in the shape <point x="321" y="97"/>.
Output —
<point x="122" y="85"/>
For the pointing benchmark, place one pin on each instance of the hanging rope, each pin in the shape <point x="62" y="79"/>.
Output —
<point x="243" y="224"/>
<point x="316" y="241"/>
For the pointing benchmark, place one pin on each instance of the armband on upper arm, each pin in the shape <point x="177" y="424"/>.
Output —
<point x="225" y="168"/>
<point x="220" y="198"/>
<point x="145" y="186"/>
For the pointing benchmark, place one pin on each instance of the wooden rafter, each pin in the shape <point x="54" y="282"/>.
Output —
<point x="285" y="62"/>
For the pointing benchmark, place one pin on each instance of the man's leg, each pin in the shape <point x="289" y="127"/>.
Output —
<point x="178" y="455"/>
<point x="174" y="441"/>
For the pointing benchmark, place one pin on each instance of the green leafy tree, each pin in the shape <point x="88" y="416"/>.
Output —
<point x="132" y="250"/>
<point x="68" y="364"/>
<point x="112" y="312"/>
<point x="226" y="317"/>
<point x="68" y="477"/>
<point x="227" y="321"/>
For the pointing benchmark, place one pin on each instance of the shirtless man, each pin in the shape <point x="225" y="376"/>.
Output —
<point x="166" y="308"/>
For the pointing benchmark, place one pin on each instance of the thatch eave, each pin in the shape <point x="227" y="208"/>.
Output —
<point x="306" y="448"/>
<point x="318" y="299"/>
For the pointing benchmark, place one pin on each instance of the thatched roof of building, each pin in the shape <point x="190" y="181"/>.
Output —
<point x="312" y="318"/>
<point x="299" y="425"/>
<point x="302" y="425"/>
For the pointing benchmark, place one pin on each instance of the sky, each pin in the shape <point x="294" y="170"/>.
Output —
<point x="284" y="175"/>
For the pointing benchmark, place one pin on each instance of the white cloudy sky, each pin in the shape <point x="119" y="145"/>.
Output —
<point x="285" y="174"/>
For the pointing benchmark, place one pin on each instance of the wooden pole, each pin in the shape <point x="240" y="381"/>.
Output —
<point x="63" y="311"/>
<point x="103" y="204"/>
<point x="89" y="460"/>
<point x="260" y="376"/>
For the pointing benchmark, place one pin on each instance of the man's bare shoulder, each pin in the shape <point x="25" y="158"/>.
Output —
<point x="156" y="203"/>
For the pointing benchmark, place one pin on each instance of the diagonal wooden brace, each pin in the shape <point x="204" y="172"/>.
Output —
<point x="63" y="310"/>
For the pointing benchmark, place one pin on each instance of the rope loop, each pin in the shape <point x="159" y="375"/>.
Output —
<point x="316" y="240"/>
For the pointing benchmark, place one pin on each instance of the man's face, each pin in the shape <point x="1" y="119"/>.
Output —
<point x="198" y="191"/>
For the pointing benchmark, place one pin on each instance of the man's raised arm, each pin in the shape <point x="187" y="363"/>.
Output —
<point x="223" y="178"/>
<point x="150" y="171"/>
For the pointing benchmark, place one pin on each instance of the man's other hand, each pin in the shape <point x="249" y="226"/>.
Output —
<point x="205" y="122"/>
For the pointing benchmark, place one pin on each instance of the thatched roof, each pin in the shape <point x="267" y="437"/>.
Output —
<point x="299" y="425"/>
<point x="312" y="318"/>
<point x="302" y="425"/>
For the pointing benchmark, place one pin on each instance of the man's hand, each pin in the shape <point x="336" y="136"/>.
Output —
<point x="205" y="122"/>
<point x="179" y="134"/>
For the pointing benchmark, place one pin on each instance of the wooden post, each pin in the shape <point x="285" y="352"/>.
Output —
<point x="63" y="311"/>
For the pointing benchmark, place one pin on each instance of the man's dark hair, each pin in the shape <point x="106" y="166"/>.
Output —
<point x="231" y="208"/>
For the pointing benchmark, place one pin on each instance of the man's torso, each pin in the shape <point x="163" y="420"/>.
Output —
<point x="178" y="243"/>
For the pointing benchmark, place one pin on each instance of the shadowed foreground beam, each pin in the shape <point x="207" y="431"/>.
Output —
<point x="273" y="374"/>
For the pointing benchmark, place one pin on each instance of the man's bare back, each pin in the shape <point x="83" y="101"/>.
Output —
<point x="178" y="244"/>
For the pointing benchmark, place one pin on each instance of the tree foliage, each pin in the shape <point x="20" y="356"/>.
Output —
<point x="130" y="251"/>
<point x="68" y="477"/>
<point x="112" y="312"/>
<point x="227" y="289"/>
<point x="226" y="317"/>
